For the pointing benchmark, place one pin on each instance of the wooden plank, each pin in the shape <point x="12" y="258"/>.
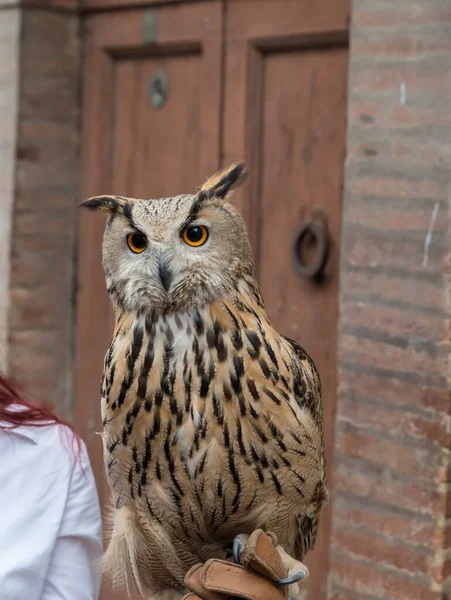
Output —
<point x="285" y="114"/>
<point x="178" y="27"/>
<point x="265" y="20"/>
<point x="95" y="5"/>
<point x="132" y="148"/>
<point x="302" y="170"/>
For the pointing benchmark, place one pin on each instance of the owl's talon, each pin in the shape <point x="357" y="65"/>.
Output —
<point x="237" y="550"/>
<point x="298" y="575"/>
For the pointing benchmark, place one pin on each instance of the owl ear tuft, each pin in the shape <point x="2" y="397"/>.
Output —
<point x="112" y="204"/>
<point x="224" y="182"/>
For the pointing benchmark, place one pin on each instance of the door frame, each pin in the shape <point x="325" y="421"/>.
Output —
<point x="295" y="30"/>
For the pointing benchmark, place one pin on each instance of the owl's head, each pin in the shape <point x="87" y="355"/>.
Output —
<point x="169" y="254"/>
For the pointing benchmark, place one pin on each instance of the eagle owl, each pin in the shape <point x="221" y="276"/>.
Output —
<point x="212" y="420"/>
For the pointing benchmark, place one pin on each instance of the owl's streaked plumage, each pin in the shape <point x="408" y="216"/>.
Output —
<point x="212" y="420"/>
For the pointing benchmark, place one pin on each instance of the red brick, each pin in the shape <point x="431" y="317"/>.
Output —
<point x="395" y="321"/>
<point x="35" y="358"/>
<point x="393" y="115"/>
<point x="402" y="15"/>
<point x="396" y="392"/>
<point x="384" y="355"/>
<point x="61" y="109"/>
<point x="390" y="186"/>
<point x="32" y="258"/>
<point x="370" y="250"/>
<point x="65" y="4"/>
<point x="48" y="132"/>
<point x="402" y="150"/>
<point x="58" y="175"/>
<point x="369" y="79"/>
<point x="44" y="199"/>
<point x="365" y="482"/>
<point x="380" y="583"/>
<point x="402" y="425"/>
<point x="375" y="549"/>
<point x="55" y="34"/>
<point x="49" y="144"/>
<point x="397" y="45"/>
<point x="47" y="244"/>
<point x="385" y="287"/>
<point x="428" y="532"/>
<point x="35" y="309"/>
<point x="47" y="181"/>
<point x="29" y="270"/>
<point x="392" y="418"/>
<point x="430" y="464"/>
<point x="403" y="215"/>
<point x="57" y="220"/>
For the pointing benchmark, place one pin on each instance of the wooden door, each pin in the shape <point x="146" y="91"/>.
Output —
<point x="142" y="145"/>
<point x="285" y="113"/>
<point x="280" y="104"/>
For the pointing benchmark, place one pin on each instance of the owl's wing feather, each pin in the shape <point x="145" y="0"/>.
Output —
<point x="311" y="396"/>
<point x="306" y="360"/>
<point x="308" y="524"/>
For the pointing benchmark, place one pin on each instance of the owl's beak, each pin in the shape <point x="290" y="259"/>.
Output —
<point x="165" y="273"/>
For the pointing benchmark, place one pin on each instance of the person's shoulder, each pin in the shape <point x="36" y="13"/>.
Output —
<point x="46" y="435"/>
<point x="56" y="444"/>
<point x="48" y="465"/>
<point x="60" y="438"/>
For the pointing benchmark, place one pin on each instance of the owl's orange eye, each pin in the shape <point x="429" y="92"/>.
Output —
<point x="137" y="242"/>
<point x="195" y="236"/>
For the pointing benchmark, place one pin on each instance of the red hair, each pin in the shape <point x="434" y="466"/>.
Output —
<point x="28" y="414"/>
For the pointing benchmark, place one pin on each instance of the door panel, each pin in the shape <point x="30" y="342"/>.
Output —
<point x="157" y="152"/>
<point x="279" y="104"/>
<point x="285" y="113"/>
<point x="301" y="169"/>
<point x="133" y="148"/>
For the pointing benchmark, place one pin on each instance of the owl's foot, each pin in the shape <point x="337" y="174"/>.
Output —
<point x="294" y="577"/>
<point x="239" y="546"/>
<point x="259" y="566"/>
<point x="261" y="552"/>
<point x="297" y="572"/>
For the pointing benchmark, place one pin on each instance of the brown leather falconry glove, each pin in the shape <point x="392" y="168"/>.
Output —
<point x="265" y="572"/>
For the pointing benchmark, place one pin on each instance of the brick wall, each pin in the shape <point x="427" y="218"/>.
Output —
<point x="9" y="81"/>
<point x="45" y="210"/>
<point x="392" y="511"/>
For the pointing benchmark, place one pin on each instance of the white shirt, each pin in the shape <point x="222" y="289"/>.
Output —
<point x="50" y="522"/>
